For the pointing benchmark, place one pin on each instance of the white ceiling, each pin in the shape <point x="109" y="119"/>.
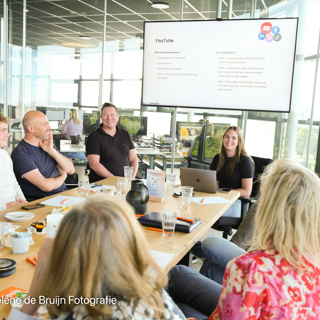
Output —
<point x="54" y="22"/>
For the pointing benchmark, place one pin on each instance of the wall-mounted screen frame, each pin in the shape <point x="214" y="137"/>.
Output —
<point x="220" y="64"/>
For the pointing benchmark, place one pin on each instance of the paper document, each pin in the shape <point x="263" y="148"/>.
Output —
<point x="98" y="188"/>
<point x="57" y="201"/>
<point x="209" y="200"/>
<point x="162" y="258"/>
<point x="8" y="226"/>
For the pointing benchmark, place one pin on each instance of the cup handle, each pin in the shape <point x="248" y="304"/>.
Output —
<point x="147" y="194"/>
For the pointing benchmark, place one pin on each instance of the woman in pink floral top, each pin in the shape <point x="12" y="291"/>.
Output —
<point x="280" y="279"/>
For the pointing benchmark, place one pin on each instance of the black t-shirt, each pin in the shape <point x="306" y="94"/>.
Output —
<point x="113" y="151"/>
<point x="243" y="170"/>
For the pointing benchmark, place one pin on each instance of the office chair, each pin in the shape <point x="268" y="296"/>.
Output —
<point x="72" y="181"/>
<point x="226" y="224"/>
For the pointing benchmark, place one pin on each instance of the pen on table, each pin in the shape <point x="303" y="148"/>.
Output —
<point x="202" y="201"/>
<point x="31" y="261"/>
<point x="185" y="219"/>
<point x="155" y="229"/>
<point x="64" y="201"/>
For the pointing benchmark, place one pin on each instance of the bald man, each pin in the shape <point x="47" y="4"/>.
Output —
<point x="39" y="167"/>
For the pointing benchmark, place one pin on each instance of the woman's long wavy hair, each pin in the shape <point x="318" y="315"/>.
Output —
<point x="288" y="215"/>
<point x="100" y="250"/>
<point x="75" y="116"/>
<point x="240" y="151"/>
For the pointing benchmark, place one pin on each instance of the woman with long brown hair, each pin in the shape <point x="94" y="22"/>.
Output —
<point x="235" y="170"/>
<point x="233" y="164"/>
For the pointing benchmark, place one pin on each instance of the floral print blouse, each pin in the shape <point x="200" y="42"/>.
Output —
<point x="262" y="285"/>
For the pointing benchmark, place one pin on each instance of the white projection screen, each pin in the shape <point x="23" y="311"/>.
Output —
<point x="227" y="64"/>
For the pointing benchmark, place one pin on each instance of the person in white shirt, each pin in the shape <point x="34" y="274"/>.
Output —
<point x="10" y="191"/>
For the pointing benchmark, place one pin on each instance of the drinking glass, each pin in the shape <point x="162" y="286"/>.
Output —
<point x="82" y="189"/>
<point x="171" y="179"/>
<point x="81" y="144"/>
<point x="128" y="172"/>
<point x="87" y="188"/>
<point x="122" y="185"/>
<point x="169" y="219"/>
<point x="186" y="195"/>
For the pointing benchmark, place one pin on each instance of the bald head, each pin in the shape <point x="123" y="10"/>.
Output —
<point x="36" y="125"/>
<point x="31" y="118"/>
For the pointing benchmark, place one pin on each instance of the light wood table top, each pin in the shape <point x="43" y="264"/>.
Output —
<point x="179" y="244"/>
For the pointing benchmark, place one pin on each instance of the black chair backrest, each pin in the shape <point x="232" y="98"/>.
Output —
<point x="72" y="181"/>
<point x="259" y="165"/>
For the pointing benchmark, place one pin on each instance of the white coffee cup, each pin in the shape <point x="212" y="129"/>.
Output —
<point x="20" y="245"/>
<point x="53" y="222"/>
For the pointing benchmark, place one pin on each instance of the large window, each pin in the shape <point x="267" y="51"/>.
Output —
<point x="63" y="67"/>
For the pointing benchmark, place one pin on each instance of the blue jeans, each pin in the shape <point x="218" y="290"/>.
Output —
<point x="196" y="295"/>
<point x="217" y="252"/>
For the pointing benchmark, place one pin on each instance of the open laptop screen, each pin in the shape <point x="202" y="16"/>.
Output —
<point x="199" y="179"/>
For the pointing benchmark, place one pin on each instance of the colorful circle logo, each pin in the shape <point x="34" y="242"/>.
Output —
<point x="269" y="37"/>
<point x="261" y="36"/>
<point x="275" y="30"/>
<point x="266" y="27"/>
<point x="277" y="37"/>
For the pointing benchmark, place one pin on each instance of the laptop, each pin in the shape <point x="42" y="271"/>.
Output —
<point x="199" y="179"/>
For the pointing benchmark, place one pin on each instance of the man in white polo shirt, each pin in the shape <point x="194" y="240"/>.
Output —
<point x="10" y="191"/>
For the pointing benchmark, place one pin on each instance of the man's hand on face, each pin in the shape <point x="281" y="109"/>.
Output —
<point x="47" y="145"/>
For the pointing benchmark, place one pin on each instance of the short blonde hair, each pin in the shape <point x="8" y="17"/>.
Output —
<point x="4" y="119"/>
<point x="288" y="215"/>
<point x="100" y="250"/>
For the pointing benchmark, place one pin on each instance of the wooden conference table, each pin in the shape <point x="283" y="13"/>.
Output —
<point x="178" y="245"/>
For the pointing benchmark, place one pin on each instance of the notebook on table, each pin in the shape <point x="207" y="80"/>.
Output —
<point x="200" y="179"/>
<point x="154" y="220"/>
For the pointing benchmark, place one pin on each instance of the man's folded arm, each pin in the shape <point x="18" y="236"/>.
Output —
<point x="65" y="163"/>
<point x="45" y="184"/>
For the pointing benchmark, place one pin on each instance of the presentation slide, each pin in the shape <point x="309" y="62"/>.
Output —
<point x="228" y="64"/>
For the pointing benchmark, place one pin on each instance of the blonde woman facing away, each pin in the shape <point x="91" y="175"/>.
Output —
<point x="100" y="264"/>
<point x="73" y="126"/>
<point x="280" y="277"/>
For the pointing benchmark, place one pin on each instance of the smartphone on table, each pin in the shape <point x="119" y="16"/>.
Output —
<point x="33" y="206"/>
<point x="176" y="194"/>
<point x="225" y="190"/>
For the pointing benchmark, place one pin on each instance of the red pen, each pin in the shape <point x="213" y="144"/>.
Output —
<point x="155" y="229"/>
<point x="202" y="201"/>
<point x="64" y="201"/>
<point x="185" y="219"/>
<point x="31" y="261"/>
